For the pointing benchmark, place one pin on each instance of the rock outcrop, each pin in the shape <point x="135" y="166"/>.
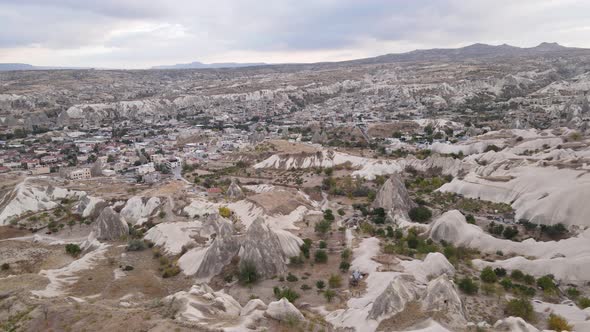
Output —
<point x="203" y="305"/>
<point x="442" y="297"/>
<point x="90" y="207"/>
<point x="222" y="250"/>
<point x="234" y="191"/>
<point x="109" y="226"/>
<point x="251" y="306"/>
<point x="137" y="210"/>
<point x="394" y="198"/>
<point x="33" y="196"/>
<point x="283" y="310"/>
<point x="438" y="299"/>
<point x="393" y="300"/>
<point x="261" y="247"/>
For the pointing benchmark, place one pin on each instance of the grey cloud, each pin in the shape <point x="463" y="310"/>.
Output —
<point x="205" y="28"/>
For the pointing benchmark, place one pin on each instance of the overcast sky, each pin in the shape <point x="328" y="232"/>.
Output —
<point x="143" y="33"/>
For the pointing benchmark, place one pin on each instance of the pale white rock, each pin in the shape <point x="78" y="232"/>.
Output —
<point x="109" y="226"/>
<point x="29" y="196"/>
<point x="252" y="305"/>
<point x="137" y="210"/>
<point x="283" y="310"/>
<point x="394" y="198"/>
<point x="172" y="237"/>
<point x="514" y="324"/>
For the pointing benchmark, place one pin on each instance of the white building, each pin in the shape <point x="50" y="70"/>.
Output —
<point x="173" y="163"/>
<point x="80" y="174"/>
<point x="146" y="168"/>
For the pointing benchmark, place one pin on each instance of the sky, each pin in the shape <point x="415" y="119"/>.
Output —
<point x="144" y="33"/>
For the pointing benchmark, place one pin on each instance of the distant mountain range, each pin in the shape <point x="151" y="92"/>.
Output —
<point x="470" y="52"/>
<point x="474" y="51"/>
<point x="200" y="65"/>
<point x="15" y="66"/>
<point x="26" y="66"/>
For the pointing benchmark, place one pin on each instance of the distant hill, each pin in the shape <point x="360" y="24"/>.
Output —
<point x="200" y="65"/>
<point x="25" y="66"/>
<point x="470" y="52"/>
<point x="15" y="66"/>
<point x="475" y="51"/>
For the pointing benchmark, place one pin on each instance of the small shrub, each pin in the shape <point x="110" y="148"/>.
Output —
<point x="224" y="211"/>
<point x="517" y="275"/>
<point x="296" y="261"/>
<point x="287" y="293"/>
<point x="323" y="245"/>
<point x="572" y="292"/>
<point x="488" y="275"/>
<point x="171" y="271"/>
<point x="335" y="281"/>
<point x="345" y="255"/>
<point x="470" y="218"/>
<point x="320" y="284"/>
<point x="5" y="266"/>
<point x="135" y="245"/>
<point x="329" y="295"/>
<point x="546" y="283"/>
<point x="328" y="215"/>
<point x="420" y="214"/>
<point x="467" y="286"/>
<point x="520" y="308"/>
<point x="584" y="302"/>
<point x="488" y="289"/>
<point x="292" y="277"/>
<point x="500" y="272"/>
<point x="305" y="287"/>
<point x="322" y="227"/>
<point x="558" y="323"/>
<point x="528" y="279"/>
<point x="248" y="273"/>
<point x="506" y="283"/>
<point x="73" y="249"/>
<point x="344" y="266"/>
<point x="320" y="256"/>
<point x="305" y="248"/>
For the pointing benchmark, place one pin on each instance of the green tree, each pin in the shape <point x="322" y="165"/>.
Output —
<point x="248" y="273"/>
<point x="322" y="227"/>
<point x="488" y="275"/>
<point x="73" y="249"/>
<point x="467" y="286"/>
<point x="420" y="214"/>
<point x="558" y="323"/>
<point x="520" y="308"/>
<point x="329" y="295"/>
<point x="320" y="256"/>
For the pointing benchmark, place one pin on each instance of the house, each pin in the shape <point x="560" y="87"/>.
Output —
<point x="173" y="163"/>
<point x="214" y="191"/>
<point x="13" y="165"/>
<point x="49" y="159"/>
<point x="80" y="174"/>
<point x="157" y="158"/>
<point x="40" y="170"/>
<point x="145" y="169"/>
<point x="30" y="163"/>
